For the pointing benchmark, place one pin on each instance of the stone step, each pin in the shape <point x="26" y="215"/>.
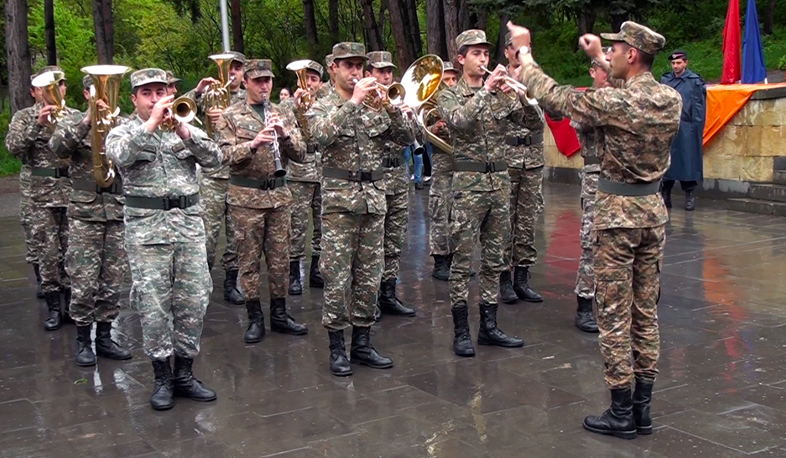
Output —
<point x="768" y="191"/>
<point x="779" y="176"/>
<point x="758" y="206"/>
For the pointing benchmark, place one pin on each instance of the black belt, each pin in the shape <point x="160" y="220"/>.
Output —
<point x="352" y="175"/>
<point x="628" y="189"/>
<point x="264" y="185"/>
<point x="526" y="140"/>
<point x="60" y="172"/>
<point x="162" y="203"/>
<point x="311" y="149"/>
<point x="88" y="185"/>
<point x="592" y="160"/>
<point x="391" y="162"/>
<point x="482" y="167"/>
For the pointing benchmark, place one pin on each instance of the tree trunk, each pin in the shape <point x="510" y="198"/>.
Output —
<point x="585" y="21"/>
<point x="17" y="48"/>
<point x="312" y="40"/>
<point x="49" y="27"/>
<point x="370" y="28"/>
<point x="618" y="19"/>
<point x="482" y="18"/>
<point x="451" y="8"/>
<point x="464" y="21"/>
<point x="333" y="19"/>
<point x="435" y="24"/>
<point x="769" y="17"/>
<point x="398" y="25"/>
<point x="237" y="28"/>
<point x="414" y="28"/>
<point x="503" y="30"/>
<point x="104" y="31"/>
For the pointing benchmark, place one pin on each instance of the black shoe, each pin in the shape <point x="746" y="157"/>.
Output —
<point x="67" y="307"/>
<point x="690" y="201"/>
<point x="617" y="420"/>
<point x="295" y="287"/>
<point x="585" y="316"/>
<point x="315" y="279"/>
<point x="377" y="312"/>
<point x="362" y="352"/>
<point x="187" y="386"/>
<point x="666" y="198"/>
<point x="280" y="321"/>
<point x="521" y="286"/>
<point x="53" y="320"/>
<point x="84" y="347"/>
<point x="231" y="292"/>
<point x="106" y="347"/>
<point x="506" y="293"/>
<point x="256" y="322"/>
<point x="389" y="304"/>
<point x="38" y="293"/>
<point x="338" y="363"/>
<point x="441" y="268"/>
<point x="462" y="342"/>
<point x="642" y="397"/>
<point x="163" y="392"/>
<point x="489" y="333"/>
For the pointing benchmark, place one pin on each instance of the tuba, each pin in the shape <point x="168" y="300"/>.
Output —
<point x="217" y="95"/>
<point x="183" y="111"/>
<point x="305" y="100"/>
<point x="428" y="114"/>
<point x="106" y="87"/>
<point x="49" y="83"/>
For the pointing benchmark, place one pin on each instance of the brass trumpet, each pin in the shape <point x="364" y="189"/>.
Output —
<point x="217" y="95"/>
<point x="49" y="83"/>
<point x="383" y="96"/>
<point x="510" y="81"/>
<point x="183" y="111"/>
<point x="305" y="99"/>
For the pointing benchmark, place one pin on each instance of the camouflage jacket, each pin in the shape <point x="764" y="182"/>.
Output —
<point x="530" y="122"/>
<point x="638" y="123"/>
<point x="29" y="142"/>
<point x="396" y="179"/>
<point x="441" y="161"/>
<point x="72" y="140"/>
<point x="238" y="126"/>
<point x="325" y="90"/>
<point x="161" y="164"/>
<point x="478" y="123"/>
<point x="354" y="138"/>
<point x="590" y="139"/>
<point x="309" y="170"/>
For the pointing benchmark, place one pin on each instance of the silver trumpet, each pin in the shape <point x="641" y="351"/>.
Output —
<point x="280" y="170"/>
<point x="510" y="81"/>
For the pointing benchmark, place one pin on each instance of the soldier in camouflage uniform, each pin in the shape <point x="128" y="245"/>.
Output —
<point x="96" y="258"/>
<point x="28" y="140"/>
<point x="380" y="66"/>
<point x="476" y="116"/>
<point x="165" y="236"/>
<point x="171" y="86"/>
<point x="214" y="182"/>
<point x="638" y="122"/>
<point x="327" y="87"/>
<point x="259" y="202"/>
<point x="25" y="205"/>
<point x="303" y="182"/>
<point x="353" y="138"/>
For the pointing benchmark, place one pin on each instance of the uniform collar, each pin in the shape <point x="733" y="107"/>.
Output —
<point x="643" y="77"/>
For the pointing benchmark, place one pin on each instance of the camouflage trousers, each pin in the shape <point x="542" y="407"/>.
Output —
<point x="96" y="262"/>
<point x="474" y="213"/>
<point x="396" y="220"/>
<point x="213" y="195"/>
<point x="351" y="265"/>
<point x="50" y="235"/>
<point x="170" y="291"/>
<point x="25" y="204"/>
<point x="627" y="273"/>
<point x="439" y="199"/>
<point x="526" y="204"/>
<point x="262" y="232"/>
<point x="585" y="276"/>
<point x="306" y="198"/>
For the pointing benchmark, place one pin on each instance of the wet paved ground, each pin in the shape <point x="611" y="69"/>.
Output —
<point x="721" y="391"/>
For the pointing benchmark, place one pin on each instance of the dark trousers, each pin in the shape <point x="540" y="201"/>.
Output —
<point x="687" y="186"/>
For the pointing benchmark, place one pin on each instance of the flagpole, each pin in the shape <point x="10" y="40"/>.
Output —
<point x="224" y="25"/>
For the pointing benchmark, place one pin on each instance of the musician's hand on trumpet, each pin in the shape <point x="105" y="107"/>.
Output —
<point x="204" y="84"/>
<point x="362" y="88"/>
<point x="101" y="105"/>
<point x="214" y="114"/>
<point x="496" y="78"/>
<point x="161" y="112"/>
<point x="44" y="115"/>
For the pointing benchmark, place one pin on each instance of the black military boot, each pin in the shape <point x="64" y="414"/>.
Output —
<point x="666" y="194"/>
<point x="377" y="312"/>
<point x="315" y="279"/>
<point x="389" y="304"/>
<point x="441" y="268"/>
<point x="281" y="321"/>
<point x="186" y="385"/>
<point x="489" y="333"/>
<point x="462" y="342"/>
<point x="256" y="322"/>
<point x="506" y="293"/>
<point x="339" y="363"/>
<point x="295" y="287"/>
<point x="67" y="319"/>
<point x="585" y="316"/>
<point x="106" y="347"/>
<point x="690" y="201"/>
<point x="521" y="286"/>
<point x="84" y="347"/>
<point x="52" y="323"/>
<point x="231" y="292"/>
<point x="617" y="420"/>
<point x="37" y="270"/>
<point x="362" y="352"/>
<point x="163" y="391"/>
<point x="642" y="397"/>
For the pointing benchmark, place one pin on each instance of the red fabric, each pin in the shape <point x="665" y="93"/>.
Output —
<point x="732" y="69"/>
<point x="564" y="136"/>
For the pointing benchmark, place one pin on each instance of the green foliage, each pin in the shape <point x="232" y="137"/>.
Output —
<point x="9" y="165"/>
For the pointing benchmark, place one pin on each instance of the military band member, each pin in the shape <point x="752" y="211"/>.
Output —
<point x="28" y="140"/>
<point x="353" y="137"/>
<point x="327" y="87"/>
<point x="475" y="113"/>
<point x="259" y="202"/>
<point x="638" y="122"/>
<point x="171" y="86"/>
<point x="165" y="235"/>
<point x="96" y="257"/>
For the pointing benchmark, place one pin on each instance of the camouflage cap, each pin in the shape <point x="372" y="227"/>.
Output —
<point x="471" y="37"/>
<point x="239" y="56"/>
<point x="329" y="60"/>
<point x="380" y="59"/>
<point x="678" y="54"/>
<point x="170" y="77"/>
<point x="448" y="67"/>
<point x="87" y="81"/>
<point x="315" y="66"/>
<point x="48" y="68"/>
<point x="148" y="76"/>
<point x="638" y="36"/>
<point x="349" y="49"/>
<point x="256" y="68"/>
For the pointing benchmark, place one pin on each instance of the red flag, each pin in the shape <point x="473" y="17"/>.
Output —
<point x="732" y="70"/>
<point x="564" y="136"/>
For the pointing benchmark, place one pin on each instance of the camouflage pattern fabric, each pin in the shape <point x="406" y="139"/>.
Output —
<point x="396" y="219"/>
<point x="526" y="205"/>
<point x="439" y="203"/>
<point x="213" y="194"/>
<point x="638" y="36"/>
<point x="50" y="236"/>
<point x="25" y="204"/>
<point x="306" y="201"/>
<point x="591" y="140"/>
